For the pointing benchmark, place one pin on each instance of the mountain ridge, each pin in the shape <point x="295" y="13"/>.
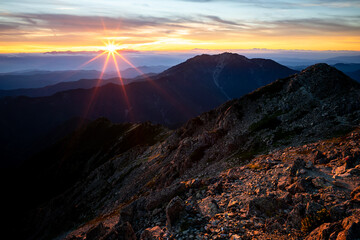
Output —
<point x="189" y="168"/>
<point x="166" y="99"/>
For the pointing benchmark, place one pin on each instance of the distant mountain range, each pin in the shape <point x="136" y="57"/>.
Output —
<point x="171" y="98"/>
<point x="302" y="62"/>
<point x="18" y="81"/>
<point x="350" y="69"/>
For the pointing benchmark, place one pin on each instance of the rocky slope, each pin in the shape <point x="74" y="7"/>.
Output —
<point x="180" y="187"/>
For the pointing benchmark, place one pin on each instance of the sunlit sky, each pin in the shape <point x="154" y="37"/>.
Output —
<point x="178" y="25"/>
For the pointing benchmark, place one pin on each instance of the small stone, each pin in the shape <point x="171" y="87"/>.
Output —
<point x="235" y="237"/>
<point x="339" y="170"/>
<point x="233" y="203"/>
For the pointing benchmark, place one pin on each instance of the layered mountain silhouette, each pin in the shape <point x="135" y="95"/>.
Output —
<point x="15" y="83"/>
<point x="38" y="79"/>
<point x="177" y="183"/>
<point x="170" y="98"/>
<point x="61" y="81"/>
<point x="350" y="69"/>
<point x="64" y="86"/>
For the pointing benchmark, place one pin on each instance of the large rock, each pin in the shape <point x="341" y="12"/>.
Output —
<point x="174" y="210"/>
<point x="122" y="231"/>
<point x="300" y="186"/>
<point x="323" y="232"/>
<point x="267" y="206"/>
<point x="96" y="232"/>
<point x="208" y="207"/>
<point x="351" y="227"/>
<point x="355" y="194"/>
<point x="297" y="165"/>
<point x="154" y="233"/>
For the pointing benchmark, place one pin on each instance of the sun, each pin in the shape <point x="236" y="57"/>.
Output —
<point x="111" y="47"/>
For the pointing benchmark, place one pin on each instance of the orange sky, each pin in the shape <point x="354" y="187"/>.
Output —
<point x="178" y="25"/>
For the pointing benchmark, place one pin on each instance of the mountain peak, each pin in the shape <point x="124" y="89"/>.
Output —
<point x="230" y="73"/>
<point x="323" y="80"/>
<point x="225" y="56"/>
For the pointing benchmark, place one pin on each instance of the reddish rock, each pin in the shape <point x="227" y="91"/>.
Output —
<point x="351" y="227"/>
<point x="323" y="232"/>
<point x="208" y="207"/>
<point x="355" y="194"/>
<point x="154" y="233"/>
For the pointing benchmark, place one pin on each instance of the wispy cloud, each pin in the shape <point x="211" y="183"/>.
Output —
<point x="174" y="24"/>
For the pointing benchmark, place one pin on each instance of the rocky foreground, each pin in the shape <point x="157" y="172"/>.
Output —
<point x="311" y="192"/>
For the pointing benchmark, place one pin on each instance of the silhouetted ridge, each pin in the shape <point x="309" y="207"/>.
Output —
<point x="171" y="98"/>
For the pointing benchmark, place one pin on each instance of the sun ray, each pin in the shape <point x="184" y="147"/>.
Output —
<point x="128" y="62"/>
<point x="111" y="49"/>
<point x="171" y="99"/>
<point x="95" y="89"/>
<point x="122" y="84"/>
<point x="94" y="58"/>
<point x="104" y="68"/>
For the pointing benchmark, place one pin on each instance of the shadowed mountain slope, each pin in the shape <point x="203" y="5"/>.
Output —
<point x="132" y="192"/>
<point x="171" y="98"/>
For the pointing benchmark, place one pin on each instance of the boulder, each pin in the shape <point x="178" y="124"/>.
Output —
<point x="297" y="165"/>
<point x="96" y="232"/>
<point x="283" y="182"/>
<point x="323" y="232"/>
<point x="312" y="207"/>
<point x="296" y="187"/>
<point x="355" y="194"/>
<point x="123" y="231"/>
<point x="339" y="170"/>
<point x="154" y="233"/>
<point x="174" y="210"/>
<point x="267" y="206"/>
<point x="351" y="226"/>
<point x="319" y="182"/>
<point x="208" y="207"/>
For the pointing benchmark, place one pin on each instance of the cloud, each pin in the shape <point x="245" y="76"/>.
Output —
<point x="137" y="26"/>
<point x="225" y="22"/>
<point x="138" y="31"/>
<point x="311" y="27"/>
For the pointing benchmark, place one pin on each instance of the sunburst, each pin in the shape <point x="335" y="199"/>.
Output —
<point x="113" y="51"/>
